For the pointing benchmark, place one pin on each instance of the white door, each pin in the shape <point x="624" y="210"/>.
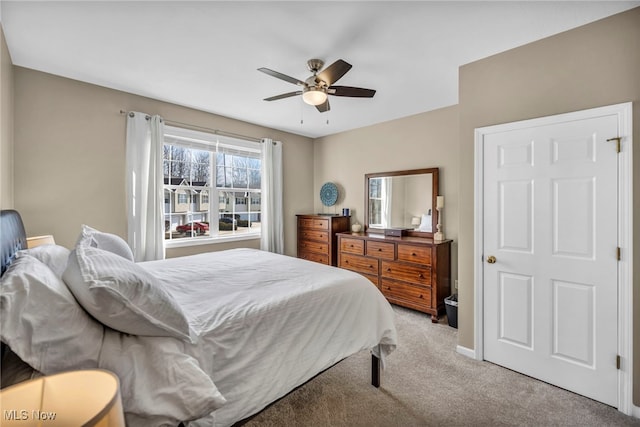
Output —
<point x="550" y="222"/>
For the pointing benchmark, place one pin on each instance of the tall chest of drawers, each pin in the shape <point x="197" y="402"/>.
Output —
<point x="413" y="272"/>
<point x="317" y="237"/>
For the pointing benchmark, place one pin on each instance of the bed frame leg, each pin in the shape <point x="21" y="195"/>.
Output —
<point x="375" y="371"/>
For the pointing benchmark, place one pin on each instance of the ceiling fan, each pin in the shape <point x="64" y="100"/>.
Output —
<point x="315" y="89"/>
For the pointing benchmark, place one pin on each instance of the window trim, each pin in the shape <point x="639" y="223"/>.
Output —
<point x="200" y="241"/>
<point x="198" y="140"/>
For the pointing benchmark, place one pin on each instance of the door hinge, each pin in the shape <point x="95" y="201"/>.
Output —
<point x="618" y="361"/>
<point x="617" y="140"/>
<point x="618" y="254"/>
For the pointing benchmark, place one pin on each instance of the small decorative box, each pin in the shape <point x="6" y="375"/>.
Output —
<point x="396" y="232"/>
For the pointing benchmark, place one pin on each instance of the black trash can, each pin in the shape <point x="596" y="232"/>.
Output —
<point x="451" y="305"/>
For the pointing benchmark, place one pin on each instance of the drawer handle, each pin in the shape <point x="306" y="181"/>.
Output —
<point x="346" y="261"/>
<point x="420" y="296"/>
<point x="370" y="266"/>
<point x="388" y="288"/>
<point x="379" y="249"/>
<point x="414" y="254"/>
<point x="350" y="246"/>
<point x="421" y="276"/>
<point x="388" y="268"/>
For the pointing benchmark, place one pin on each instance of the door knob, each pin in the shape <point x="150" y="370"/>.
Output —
<point x="491" y="259"/>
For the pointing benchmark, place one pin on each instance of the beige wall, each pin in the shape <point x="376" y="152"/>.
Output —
<point x="69" y="142"/>
<point x="6" y="125"/>
<point x="421" y="141"/>
<point x="70" y="157"/>
<point x="591" y="66"/>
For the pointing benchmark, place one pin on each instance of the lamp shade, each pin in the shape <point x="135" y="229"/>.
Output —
<point x="440" y="202"/>
<point x="314" y="97"/>
<point x="74" y="398"/>
<point x="415" y="220"/>
<point x="32" y="242"/>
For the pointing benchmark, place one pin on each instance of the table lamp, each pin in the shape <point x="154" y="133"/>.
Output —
<point x="415" y="221"/>
<point x="32" y="242"/>
<point x="439" y="205"/>
<point x="74" y="398"/>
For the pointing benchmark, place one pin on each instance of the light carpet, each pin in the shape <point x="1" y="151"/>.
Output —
<point x="427" y="383"/>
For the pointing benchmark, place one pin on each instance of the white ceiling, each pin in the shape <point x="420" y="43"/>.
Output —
<point x="205" y="54"/>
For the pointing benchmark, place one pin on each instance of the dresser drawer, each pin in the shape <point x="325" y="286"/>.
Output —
<point x="404" y="292"/>
<point x="314" y="256"/>
<point x="381" y="250"/>
<point x="310" y="234"/>
<point x="359" y="263"/>
<point x="373" y="279"/>
<point x="352" y="246"/>
<point x="310" y="246"/>
<point x="315" y="223"/>
<point x="407" y="272"/>
<point x="413" y="253"/>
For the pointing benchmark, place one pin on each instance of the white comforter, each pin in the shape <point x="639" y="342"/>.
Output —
<point x="266" y="323"/>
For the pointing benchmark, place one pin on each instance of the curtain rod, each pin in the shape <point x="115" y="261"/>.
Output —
<point x="196" y="127"/>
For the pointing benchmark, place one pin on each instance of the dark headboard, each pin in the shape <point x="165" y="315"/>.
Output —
<point x="12" y="237"/>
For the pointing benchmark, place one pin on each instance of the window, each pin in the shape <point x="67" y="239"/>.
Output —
<point x="375" y="202"/>
<point x="199" y="167"/>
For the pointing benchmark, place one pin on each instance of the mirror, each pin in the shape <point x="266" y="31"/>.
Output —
<point x="402" y="199"/>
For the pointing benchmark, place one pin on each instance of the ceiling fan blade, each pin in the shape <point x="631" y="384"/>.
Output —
<point x="356" y="92"/>
<point x="283" y="95"/>
<point x="334" y="72"/>
<point x="282" y="76"/>
<point x="324" y="106"/>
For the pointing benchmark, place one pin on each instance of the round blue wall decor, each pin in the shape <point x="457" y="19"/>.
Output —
<point x="329" y="194"/>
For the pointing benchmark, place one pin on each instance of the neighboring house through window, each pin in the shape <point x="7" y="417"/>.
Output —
<point x="198" y="166"/>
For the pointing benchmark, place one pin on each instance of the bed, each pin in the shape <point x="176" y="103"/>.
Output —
<point x="231" y="332"/>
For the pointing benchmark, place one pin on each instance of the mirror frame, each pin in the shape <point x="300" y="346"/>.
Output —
<point x="434" y="193"/>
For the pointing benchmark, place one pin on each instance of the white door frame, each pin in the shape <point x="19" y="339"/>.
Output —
<point x="625" y="235"/>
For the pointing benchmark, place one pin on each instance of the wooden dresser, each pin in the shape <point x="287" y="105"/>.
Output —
<point x="317" y="237"/>
<point x="413" y="272"/>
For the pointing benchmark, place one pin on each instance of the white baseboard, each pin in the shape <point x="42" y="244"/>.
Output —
<point x="466" y="351"/>
<point x="635" y="411"/>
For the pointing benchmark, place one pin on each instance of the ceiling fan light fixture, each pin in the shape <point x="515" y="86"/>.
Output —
<point x="314" y="96"/>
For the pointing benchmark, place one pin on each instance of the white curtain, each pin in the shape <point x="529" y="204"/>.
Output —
<point x="272" y="239"/>
<point x="145" y="186"/>
<point x="387" y="199"/>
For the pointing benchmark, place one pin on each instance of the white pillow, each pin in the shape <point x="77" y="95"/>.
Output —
<point x="106" y="241"/>
<point x="53" y="256"/>
<point x="43" y="323"/>
<point x="122" y="295"/>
